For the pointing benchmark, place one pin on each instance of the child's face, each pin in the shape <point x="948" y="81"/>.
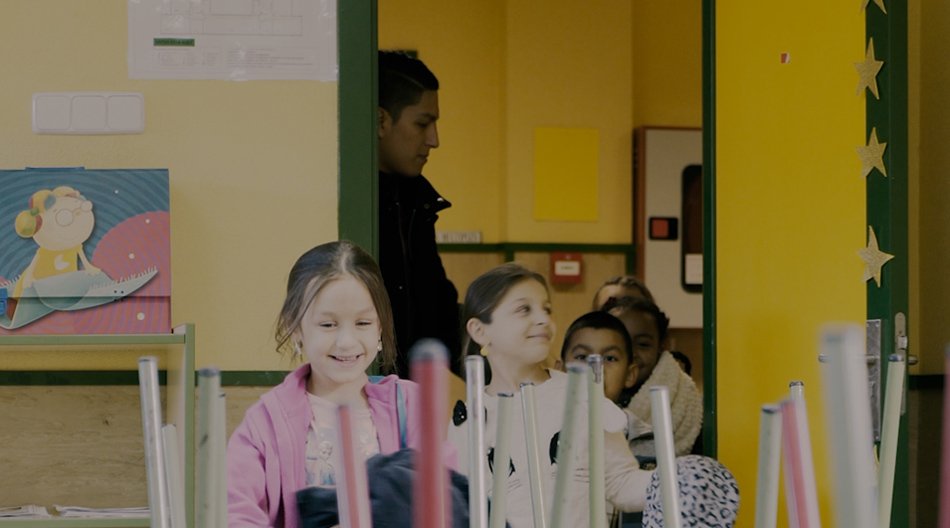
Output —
<point x="619" y="373"/>
<point x="646" y="340"/>
<point x="404" y="145"/>
<point x="339" y="334"/>
<point x="521" y="331"/>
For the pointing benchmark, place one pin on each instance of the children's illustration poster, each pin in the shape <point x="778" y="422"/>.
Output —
<point x="84" y="251"/>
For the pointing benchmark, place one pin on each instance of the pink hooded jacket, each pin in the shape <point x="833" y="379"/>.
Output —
<point x="266" y="453"/>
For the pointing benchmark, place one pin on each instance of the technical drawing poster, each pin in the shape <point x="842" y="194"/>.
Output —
<point x="233" y="39"/>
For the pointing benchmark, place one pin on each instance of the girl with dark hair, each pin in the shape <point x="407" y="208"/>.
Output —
<point x="507" y="315"/>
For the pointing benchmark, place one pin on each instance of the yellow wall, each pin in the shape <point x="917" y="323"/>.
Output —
<point x="505" y="68"/>
<point x="667" y="63"/>
<point x="253" y="168"/>
<point x="234" y="149"/>
<point x="790" y="213"/>
<point x="463" y="43"/>
<point x="570" y="67"/>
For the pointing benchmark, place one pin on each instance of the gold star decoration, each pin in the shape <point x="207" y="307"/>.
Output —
<point x="880" y="3"/>
<point x="872" y="156"/>
<point x="868" y="71"/>
<point x="874" y="259"/>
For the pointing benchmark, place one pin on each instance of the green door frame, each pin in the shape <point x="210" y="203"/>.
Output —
<point x="710" y="423"/>
<point x="357" y="103"/>
<point x="887" y="208"/>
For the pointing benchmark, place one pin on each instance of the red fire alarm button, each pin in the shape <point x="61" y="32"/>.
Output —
<point x="663" y="228"/>
<point x="566" y="268"/>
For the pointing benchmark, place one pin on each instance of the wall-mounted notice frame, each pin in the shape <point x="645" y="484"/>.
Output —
<point x="232" y="39"/>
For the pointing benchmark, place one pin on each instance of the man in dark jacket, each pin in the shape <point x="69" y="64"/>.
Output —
<point x="424" y="301"/>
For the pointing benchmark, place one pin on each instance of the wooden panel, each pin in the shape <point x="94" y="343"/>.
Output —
<point x="81" y="445"/>
<point x="463" y="268"/>
<point x="689" y="341"/>
<point x="72" y="446"/>
<point x="238" y="401"/>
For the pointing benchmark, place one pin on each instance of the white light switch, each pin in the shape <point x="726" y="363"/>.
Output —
<point x="126" y="112"/>
<point x="50" y="112"/>
<point x="88" y="113"/>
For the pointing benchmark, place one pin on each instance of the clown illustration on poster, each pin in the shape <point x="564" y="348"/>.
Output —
<point x="84" y="251"/>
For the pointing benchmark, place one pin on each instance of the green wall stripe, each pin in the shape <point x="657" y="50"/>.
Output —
<point x="710" y="424"/>
<point x="357" y="104"/>
<point x="73" y="377"/>
<point x="150" y="340"/>
<point x="544" y="247"/>
<point x="509" y="249"/>
<point x="250" y="378"/>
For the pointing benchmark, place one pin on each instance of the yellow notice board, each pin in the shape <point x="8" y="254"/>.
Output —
<point x="565" y="174"/>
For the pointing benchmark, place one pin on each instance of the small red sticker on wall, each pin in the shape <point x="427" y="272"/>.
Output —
<point x="786" y="58"/>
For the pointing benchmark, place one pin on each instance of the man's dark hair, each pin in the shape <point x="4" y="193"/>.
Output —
<point x="402" y="81"/>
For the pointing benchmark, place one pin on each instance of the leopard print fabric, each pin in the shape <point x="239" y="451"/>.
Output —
<point x="708" y="493"/>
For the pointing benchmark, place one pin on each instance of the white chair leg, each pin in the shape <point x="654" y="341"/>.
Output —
<point x="175" y="484"/>
<point x="209" y="459"/>
<point x="666" y="456"/>
<point x="155" y="465"/>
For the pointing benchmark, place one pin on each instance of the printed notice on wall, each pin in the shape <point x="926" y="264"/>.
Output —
<point x="233" y="39"/>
